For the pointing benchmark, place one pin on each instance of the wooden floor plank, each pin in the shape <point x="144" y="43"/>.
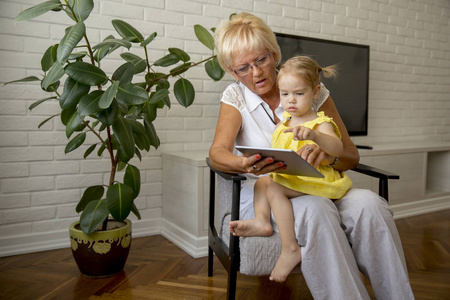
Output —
<point x="157" y="269"/>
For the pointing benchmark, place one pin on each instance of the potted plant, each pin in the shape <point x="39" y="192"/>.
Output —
<point x="119" y="110"/>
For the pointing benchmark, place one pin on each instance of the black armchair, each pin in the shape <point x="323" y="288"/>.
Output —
<point x="227" y="247"/>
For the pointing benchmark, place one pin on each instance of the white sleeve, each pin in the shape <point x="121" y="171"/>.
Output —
<point x="233" y="96"/>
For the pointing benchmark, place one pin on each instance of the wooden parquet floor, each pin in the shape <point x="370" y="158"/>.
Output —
<point x="157" y="269"/>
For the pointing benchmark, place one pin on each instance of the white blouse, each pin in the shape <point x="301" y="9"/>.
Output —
<point x="257" y="127"/>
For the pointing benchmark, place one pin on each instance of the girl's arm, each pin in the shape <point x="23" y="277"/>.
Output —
<point x="348" y="159"/>
<point x="323" y="135"/>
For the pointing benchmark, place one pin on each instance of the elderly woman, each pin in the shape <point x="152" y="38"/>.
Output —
<point x="338" y="240"/>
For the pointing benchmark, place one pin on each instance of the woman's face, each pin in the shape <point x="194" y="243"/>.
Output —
<point x="261" y="79"/>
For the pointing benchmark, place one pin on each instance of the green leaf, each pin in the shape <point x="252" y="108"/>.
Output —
<point x="26" y="79"/>
<point x="131" y="94"/>
<point x="109" y="116"/>
<point x="46" y="120"/>
<point x="204" y="36"/>
<point x="72" y="37"/>
<point x="37" y="10"/>
<point x="89" y="151"/>
<point x="89" y="103"/>
<point x="52" y="87"/>
<point x="93" y="215"/>
<point x="120" y="200"/>
<point x="47" y="59"/>
<point x="132" y="178"/>
<point x="90" y="194"/>
<point x="138" y="63"/>
<point x="149" y="112"/>
<point x="135" y="211"/>
<point x="136" y="126"/>
<point x="124" y="73"/>
<point x="73" y="124"/>
<point x="86" y="73"/>
<point x="82" y="9"/>
<point x="214" y="70"/>
<point x="168" y="60"/>
<point x="73" y="91"/>
<point x="77" y="55"/>
<point x="151" y="132"/>
<point x="112" y="43"/>
<point x="180" y="69"/>
<point x="66" y="114"/>
<point x="159" y="95"/>
<point x="108" y="96"/>
<point x="39" y="102"/>
<point x="182" y="55"/>
<point x="184" y="92"/>
<point x="125" y="30"/>
<point x="76" y="142"/>
<point x="149" y="39"/>
<point x="124" y="134"/>
<point x="103" y="51"/>
<point x="53" y="76"/>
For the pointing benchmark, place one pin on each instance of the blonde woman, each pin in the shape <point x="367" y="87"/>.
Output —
<point x="338" y="239"/>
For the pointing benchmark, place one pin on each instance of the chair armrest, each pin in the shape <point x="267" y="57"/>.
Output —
<point x="226" y="176"/>
<point x="382" y="175"/>
<point x="375" y="172"/>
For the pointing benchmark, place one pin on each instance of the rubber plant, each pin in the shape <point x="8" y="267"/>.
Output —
<point x="119" y="108"/>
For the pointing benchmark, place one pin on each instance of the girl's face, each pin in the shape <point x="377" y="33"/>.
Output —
<point x="296" y="95"/>
<point x="261" y="79"/>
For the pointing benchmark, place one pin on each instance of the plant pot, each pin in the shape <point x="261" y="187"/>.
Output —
<point x="102" y="253"/>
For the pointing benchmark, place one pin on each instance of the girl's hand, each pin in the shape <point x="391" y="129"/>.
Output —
<point x="257" y="165"/>
<point x="314" y="155"/>
<point x="301" y="133"/>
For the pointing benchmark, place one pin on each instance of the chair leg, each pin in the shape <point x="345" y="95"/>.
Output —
<point x="231" y="288"/>
<point x="210" y="261"/>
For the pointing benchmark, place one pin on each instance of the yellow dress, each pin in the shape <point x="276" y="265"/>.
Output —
<point x="334" y="185"/>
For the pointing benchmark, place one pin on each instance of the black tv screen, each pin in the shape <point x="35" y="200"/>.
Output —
<point x="350" y="88"/>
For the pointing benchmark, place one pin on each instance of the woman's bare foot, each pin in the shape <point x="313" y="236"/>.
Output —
<point x="287" y="261"/>
<point x="251" y="227"/>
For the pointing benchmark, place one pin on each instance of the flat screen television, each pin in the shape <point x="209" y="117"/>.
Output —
<point x="350" y="88"/>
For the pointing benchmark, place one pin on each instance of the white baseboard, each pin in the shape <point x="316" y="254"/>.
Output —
<point x="421" y="207"/>
<point x="194" y="246"/>
<point x="36" y="242"/>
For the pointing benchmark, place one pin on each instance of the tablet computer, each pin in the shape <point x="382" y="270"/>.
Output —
<point x="295" y="164"/>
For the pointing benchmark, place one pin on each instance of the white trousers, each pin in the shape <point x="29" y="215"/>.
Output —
<point x="338" y="240"/>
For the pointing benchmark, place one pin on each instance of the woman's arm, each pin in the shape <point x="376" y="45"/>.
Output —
<point x="349" y="157"/>
<point x="221" y="152"/>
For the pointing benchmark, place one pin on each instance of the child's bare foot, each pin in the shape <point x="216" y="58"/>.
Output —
<point x="287" y="261"/>
<point x="251" y="227"/>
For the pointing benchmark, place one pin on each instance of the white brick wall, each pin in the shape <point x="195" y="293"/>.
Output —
<point x="409" y="93"/>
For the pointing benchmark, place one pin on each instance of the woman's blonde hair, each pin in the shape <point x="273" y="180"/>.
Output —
<point x="240" y="33"/>
<point x="308" y="69"/>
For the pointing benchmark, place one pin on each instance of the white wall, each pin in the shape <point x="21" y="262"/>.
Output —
<point x="40" y="186"/>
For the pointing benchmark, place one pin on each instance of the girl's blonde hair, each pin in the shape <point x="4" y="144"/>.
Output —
<point x="241" y="33"/>
<point x="308" y="69"/>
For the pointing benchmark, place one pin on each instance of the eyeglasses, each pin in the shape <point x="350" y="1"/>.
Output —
<point x="262" y="62"/>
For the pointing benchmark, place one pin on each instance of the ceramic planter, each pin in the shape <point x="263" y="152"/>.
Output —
<point x="101" y="254"/>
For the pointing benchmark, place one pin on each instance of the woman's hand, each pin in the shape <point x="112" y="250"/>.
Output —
<point x="257" y="165"/>
<point x="314" y="155"/>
